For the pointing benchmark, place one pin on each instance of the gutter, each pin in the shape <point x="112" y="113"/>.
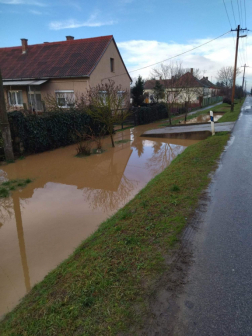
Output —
<point x="35" y="78"/>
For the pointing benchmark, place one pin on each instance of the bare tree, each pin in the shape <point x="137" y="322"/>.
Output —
<point x="225" y="75"/>
<point x="4" y="126"/>
<point x="108" y="104"/>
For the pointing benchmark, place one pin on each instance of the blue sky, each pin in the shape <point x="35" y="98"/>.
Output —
<point x="146" y="31"/>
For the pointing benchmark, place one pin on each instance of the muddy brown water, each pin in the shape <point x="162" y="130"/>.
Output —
<point x="202" y="119"/>
<point x="41" y="225"/>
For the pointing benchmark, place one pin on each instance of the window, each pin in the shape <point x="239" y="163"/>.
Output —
<point x="65" y="98"/>
<point x="34" y="98"/>
<point x="112" y="65"/>
<point x="103" y="97"/>
<point x="15" y="98"/>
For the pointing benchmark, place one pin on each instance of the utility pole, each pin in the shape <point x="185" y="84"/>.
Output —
<point x="244" y="66"/>
<point x="235" y="64"/>
<point x="4" y="126"/>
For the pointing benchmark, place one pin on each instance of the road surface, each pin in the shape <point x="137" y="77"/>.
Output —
<point x="217" y="299"/>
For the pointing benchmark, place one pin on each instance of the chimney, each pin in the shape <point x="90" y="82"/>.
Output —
<point x="206" y="78"/>
<point x="69" y="38"/>
<point x="192" y="71"/>
<point x="160" y="78"/>
<point x="24" y="45"/>
<point x="46" y="42"/>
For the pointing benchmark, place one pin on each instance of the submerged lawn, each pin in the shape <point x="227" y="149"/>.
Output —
<point x="101" y="288"/>
<point x="228" y="116"/>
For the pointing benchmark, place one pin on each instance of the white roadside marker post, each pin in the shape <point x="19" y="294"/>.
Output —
<point x="212" y="122"/>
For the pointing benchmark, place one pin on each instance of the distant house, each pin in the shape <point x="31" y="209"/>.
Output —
<point x="214" y="89"/>
<point x="62" y="69"/>
<point x="187" y="88"/>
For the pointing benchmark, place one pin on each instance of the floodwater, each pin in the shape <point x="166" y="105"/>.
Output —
<point x="42" y="224"/>
<point x="202" y="119"/>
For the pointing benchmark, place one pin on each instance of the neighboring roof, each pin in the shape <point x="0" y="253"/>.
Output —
<point x="207" y="82"/>
<point x="24" y="83"/>
<point x="186" y="80"/>
<point x="74" y="58"/>
<point x="149" y="84"/>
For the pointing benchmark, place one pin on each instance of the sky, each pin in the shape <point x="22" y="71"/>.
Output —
<point x="146" y="31"/>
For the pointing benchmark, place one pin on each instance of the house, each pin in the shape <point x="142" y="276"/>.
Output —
<point x="214" y="89"/>
<point x="186" y="88"/>
<point x="61" y="69"/>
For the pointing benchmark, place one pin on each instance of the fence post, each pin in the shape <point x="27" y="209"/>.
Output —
<point x="212" y="122"/>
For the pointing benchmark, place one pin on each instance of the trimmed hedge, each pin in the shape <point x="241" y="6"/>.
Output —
<point x="50" y="131"/>
<point x="144" y="115"/>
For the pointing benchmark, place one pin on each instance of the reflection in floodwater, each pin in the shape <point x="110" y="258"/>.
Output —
<point x="162" y="156"/>
<point x="109" y="200"/>
<point x="69" y="197"/>
<point x="20" y="232"/>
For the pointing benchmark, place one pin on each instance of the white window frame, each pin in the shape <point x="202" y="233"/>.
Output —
<point x="16" y="91"/>
<point x="64" y="92"/>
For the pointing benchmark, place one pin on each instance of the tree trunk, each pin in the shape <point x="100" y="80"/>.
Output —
<point x="5" y="127"/>
<point x="112" y="140"/>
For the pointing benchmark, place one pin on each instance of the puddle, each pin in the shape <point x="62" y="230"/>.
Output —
<point x="41" y="225"/>
<point x="202" y="119"/>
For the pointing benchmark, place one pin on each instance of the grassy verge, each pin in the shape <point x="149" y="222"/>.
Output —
<point x="7" y="187"/>
<point x="232" y="116"/>
<point x="102" y="287"/>
<point x="229" y="116"/>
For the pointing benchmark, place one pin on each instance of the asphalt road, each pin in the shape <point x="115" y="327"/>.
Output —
<point x="217" y="299"/>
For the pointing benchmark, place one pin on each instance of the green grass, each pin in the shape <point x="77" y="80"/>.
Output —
<point x="232" y="116"/>
<point x="102" y="289"/>
<point x="229" y="116"/>
<point x="11" y="185"/>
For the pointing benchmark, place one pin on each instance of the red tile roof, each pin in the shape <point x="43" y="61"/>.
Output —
<point x="73" y="58"/>
<point x="149" y="84"/>
<point x="186" y="80"/>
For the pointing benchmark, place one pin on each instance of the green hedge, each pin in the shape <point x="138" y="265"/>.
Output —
<point x="50" y="131"/>
<point x="144" y="115"/>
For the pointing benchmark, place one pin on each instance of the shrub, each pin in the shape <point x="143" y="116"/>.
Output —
<point x="49" y="131"/>
<point x="147" y="114"/>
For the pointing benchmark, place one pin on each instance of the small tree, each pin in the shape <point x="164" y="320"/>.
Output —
<point x="138" y="91"/>
<point x="106" y="103"/>
<point x="158" y="91"/>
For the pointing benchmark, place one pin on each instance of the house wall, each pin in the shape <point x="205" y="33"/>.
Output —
<point x="190" y="94"/>
<point x="102" y="69"/>
<point x="78" y="85"/>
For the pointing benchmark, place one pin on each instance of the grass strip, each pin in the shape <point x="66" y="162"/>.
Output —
<point x="232" y="116"/>
<point x="228" y="116"/>
<point x="102" y="287"/>
<point x="11" y="185"/>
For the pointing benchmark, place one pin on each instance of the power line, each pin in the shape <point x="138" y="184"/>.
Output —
<point x="238" y="10"/>
<point x="230" y="23"/>
<point x="241" y="10"/>
<point x="167" y="59"/>
<point x="227" y="12"/>
<point x="245" y="13"/>
<point x="233" y="12"/>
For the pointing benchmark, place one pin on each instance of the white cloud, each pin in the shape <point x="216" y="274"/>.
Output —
<point x="72" y="23"/>
<point x="23" y="2"/>
<point x="208" y="58"/>
<point x="35" y="12"/>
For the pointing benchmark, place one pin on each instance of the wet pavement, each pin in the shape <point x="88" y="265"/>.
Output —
<point x="217" y="300"/>
<point x="41" y="225"/>
<point x="195" y="130"/>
